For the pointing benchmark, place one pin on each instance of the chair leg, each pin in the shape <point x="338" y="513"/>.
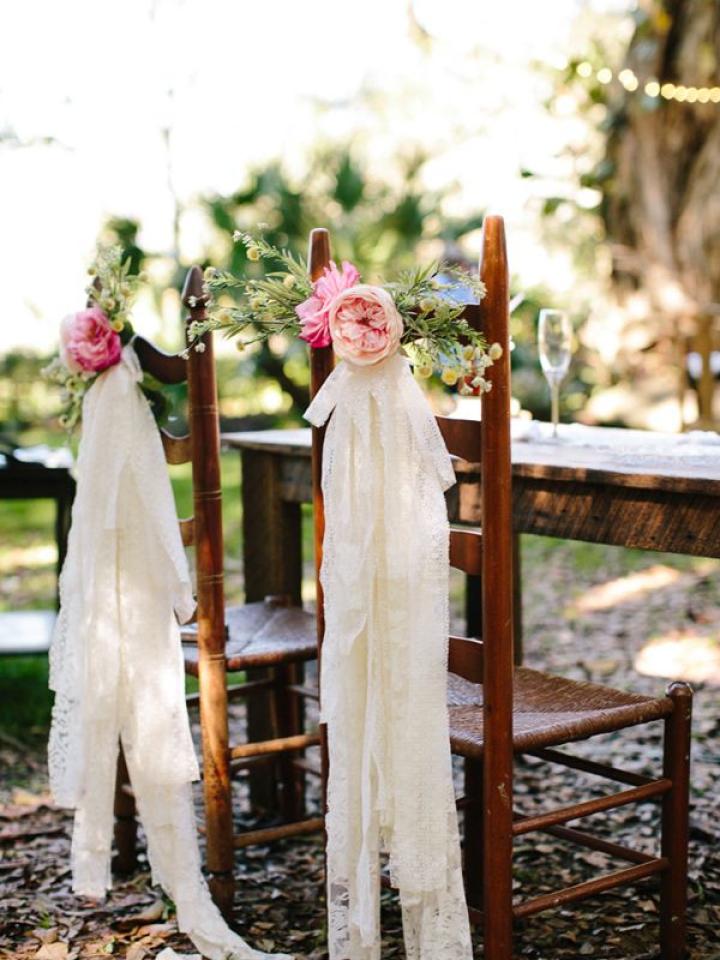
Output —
<point x="289" y="713"/>
<point x="675" y="827"/>
<point x="497" y="867"/>
<point x="216" y="780"/>
<point x="125" y="860"/>
<point x="473" y="845"/>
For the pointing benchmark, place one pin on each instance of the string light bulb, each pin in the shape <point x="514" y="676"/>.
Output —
<point x="652" y="88"/>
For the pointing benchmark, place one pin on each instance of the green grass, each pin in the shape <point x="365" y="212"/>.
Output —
<point x="27" y="579"/>
<point x="28" y="582"/>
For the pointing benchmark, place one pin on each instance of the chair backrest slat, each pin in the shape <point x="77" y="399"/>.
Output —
<point x="465" y="658"/>
<point x="178" y="450"/>
<point x="168" y="368"/>
<point x="462" y="437"/>
<point x="187" y="531"/>
<point x="466" y="551"/>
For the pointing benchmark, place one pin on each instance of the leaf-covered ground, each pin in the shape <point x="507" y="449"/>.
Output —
<point x="613" y="616"/>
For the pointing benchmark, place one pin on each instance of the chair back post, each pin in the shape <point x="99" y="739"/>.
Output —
<point x="497" y="599"/>
<point x="205" y="450"/>
<point x="321" y="366"/>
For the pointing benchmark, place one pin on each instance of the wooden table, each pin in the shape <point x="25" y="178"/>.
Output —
<point x="36" y="480"/>
<point x="559" y="490"/>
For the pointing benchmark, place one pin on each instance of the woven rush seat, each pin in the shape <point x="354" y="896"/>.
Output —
<point x="547" y="711"/>
<point x="260" y="635"/>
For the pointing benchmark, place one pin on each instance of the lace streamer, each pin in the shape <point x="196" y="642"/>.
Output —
<point x="116" y="661"/>
<point x="384" y="676"/>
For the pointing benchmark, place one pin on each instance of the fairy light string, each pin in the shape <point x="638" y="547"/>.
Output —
<point x="651" y="88"/>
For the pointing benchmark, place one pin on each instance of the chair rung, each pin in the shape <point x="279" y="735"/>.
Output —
<point x="619" y="878"/>
<point x="584" y="839"/>
<point x="648" y="790"/>
<point x="590" y="766"/>
<point x="307" y="766"/>
<point x="310" y="692"/>
<point x="278" y="745"/>
<point x="252" y="837"/>
<point x="236" y="690"/>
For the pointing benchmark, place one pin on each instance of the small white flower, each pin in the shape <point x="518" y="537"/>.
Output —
<point x="200" y="347"/>
<point x="237" y="235"/>
<point x="450" y="376"/>
<point x="192" y="301"/>
<point x="464" y="390"/>
<point x="495" y="351"/>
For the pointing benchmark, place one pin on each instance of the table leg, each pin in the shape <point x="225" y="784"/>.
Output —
<point x="273" y="566"/>
<point x="63" y="514"/>
<point x="517" y="599"/>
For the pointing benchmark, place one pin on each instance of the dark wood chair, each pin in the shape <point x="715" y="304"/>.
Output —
<point x="274" y="635"/>
<point x="498" y="710"/>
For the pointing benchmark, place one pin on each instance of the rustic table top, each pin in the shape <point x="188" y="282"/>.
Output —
<point x="645" y="460"/>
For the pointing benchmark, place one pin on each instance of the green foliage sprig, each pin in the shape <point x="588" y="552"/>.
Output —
<point x="112" y="288"/>
<point x="436" y="335"/>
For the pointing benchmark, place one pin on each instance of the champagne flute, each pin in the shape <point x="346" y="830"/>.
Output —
<point x="555" y="347"/>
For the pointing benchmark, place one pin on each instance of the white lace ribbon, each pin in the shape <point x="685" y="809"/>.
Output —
<point x="116" y="662"/>
<point x="384" y="668"/>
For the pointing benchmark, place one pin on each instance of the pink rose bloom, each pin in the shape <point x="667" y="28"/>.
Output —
<point x="88" y="342"/>
<point x="365" y="325"/>
<point x="314" y="312"/>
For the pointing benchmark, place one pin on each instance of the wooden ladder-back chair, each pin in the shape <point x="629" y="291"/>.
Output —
<point x="498" y="709"/>
<point x="273" y="634"/>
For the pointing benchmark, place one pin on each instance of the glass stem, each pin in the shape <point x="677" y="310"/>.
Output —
<point x="555" y="401"/>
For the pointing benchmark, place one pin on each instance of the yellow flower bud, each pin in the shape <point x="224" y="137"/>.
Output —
<point x="426" y="304"/>
<point x="468" y="352"/>
<point x="449" y="376"/>
<point x="424" y="370"/>
<point x="289" y="281"/>
<point x="495" y="351"/>
<point x="253" y="254"/>
<point x="256" y="303"/>
<point x="117" y="325"/>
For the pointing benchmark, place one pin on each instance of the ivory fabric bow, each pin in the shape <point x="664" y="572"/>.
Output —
<point x="384" y="665"/>
<point x="116" y="662"/>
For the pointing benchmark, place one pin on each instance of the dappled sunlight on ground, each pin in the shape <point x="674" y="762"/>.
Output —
<point x="37" y="555"/>
<point x="682" y="655"/>
<point x="603" y="596"/>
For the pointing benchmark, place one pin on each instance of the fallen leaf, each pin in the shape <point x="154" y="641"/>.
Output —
<point x="52" y="951"/>
<point x="148" y="915"/>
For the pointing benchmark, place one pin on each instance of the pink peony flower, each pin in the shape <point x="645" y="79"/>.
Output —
<point x="88" y="342"/>
<point x="314" y="312"/>
<point x="365" y="325"/>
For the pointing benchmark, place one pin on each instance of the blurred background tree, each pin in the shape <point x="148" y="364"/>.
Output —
<point x="648" y="174"/>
